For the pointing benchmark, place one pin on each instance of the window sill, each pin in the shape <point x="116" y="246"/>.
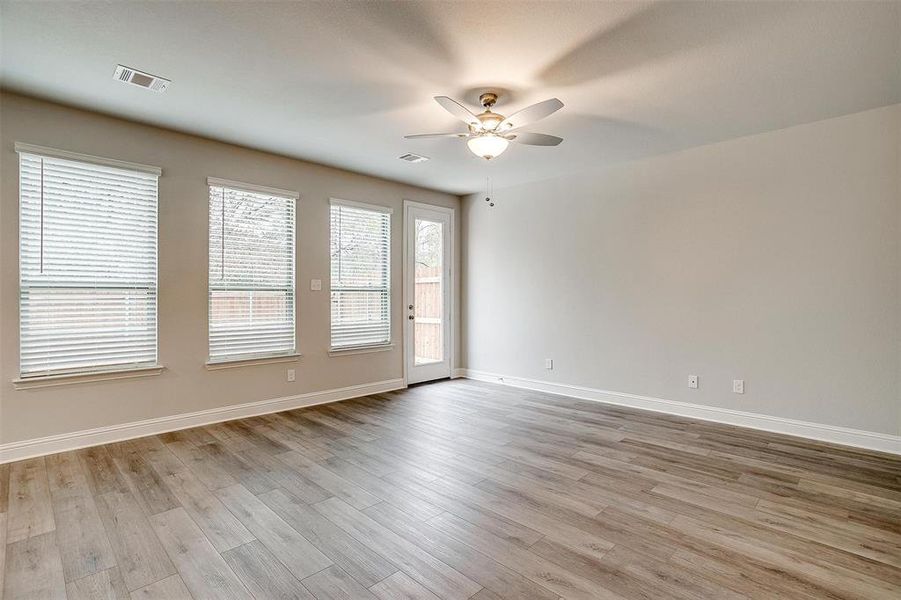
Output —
<point x="40" y="381"/>
<point x="359" y="350"/>
<point x="249" y="362"/>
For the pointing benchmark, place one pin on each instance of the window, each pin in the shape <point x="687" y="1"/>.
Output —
<point x="87" y="263"/>
<point x="251" y="271"/>
<point x="360" y="252"/>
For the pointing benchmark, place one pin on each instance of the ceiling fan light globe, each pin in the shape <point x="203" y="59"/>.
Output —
<point x="487" y="146"/>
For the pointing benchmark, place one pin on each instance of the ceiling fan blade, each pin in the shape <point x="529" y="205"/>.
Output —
<point x="534" y="139"/>
<point x="530" y="114"/>
<point x="436" y="135"/>
<point x="458" y="110"/>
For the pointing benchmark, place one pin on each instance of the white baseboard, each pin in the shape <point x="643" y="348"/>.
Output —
<point x="103" y="435"/>
<point x="816" y="431"/>
<point x="116" y="433"/>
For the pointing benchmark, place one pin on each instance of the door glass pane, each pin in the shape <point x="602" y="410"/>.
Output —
<point x="428" y="301"/>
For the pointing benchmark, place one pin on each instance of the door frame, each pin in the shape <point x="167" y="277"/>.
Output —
<point x="408" y="294"/>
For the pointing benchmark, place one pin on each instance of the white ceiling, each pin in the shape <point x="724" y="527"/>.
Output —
<point x="341" y="83"/>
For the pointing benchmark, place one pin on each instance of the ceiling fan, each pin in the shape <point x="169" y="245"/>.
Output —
<point x="489" y="132"/>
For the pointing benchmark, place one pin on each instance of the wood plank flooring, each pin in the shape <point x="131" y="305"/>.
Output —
<point x="454" y="490"/>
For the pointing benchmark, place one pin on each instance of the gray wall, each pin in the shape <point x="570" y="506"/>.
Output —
<point x="186" y="385"/>
<point x="773" y="258"/>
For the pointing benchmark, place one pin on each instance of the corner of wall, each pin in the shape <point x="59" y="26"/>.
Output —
<point x="897" y="181"/>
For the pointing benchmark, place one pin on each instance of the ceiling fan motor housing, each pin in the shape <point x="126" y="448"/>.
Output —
<point x="490" y="120"/>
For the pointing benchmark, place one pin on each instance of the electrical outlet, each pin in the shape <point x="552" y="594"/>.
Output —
<point x="291" y="375"/>
<point x="316" y="285"/>
<point x="738" y="386"/>
<point x="549" y="364"/>
<point x="693" y="382"/>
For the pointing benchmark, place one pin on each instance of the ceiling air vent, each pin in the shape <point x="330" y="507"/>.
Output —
<point x="141" y="79"/>
<point x="413" y="158"/>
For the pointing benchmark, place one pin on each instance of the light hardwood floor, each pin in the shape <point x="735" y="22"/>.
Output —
<point x="454" y="490"/>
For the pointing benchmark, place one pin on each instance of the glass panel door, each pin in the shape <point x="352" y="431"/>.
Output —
<point x="427" y="292"/>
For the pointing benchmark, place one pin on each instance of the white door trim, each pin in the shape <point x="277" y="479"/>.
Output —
<point x="452" y="283"/>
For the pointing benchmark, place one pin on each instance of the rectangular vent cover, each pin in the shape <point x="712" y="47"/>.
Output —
<point x="141" y="79"/>
<point x="413" y="158"/>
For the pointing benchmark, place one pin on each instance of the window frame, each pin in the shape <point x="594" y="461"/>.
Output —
<point x="249" y="359"/>
<point x="92" y="372"/>
<point x="388" y="343"/>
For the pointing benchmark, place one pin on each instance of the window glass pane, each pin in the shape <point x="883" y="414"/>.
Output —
<point x="251" y="274"/>
<point x="87" y="266"/>
<point x="428" y="282"/>
<point x="360" y="276"/>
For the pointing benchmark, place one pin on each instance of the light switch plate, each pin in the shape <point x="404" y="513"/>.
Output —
<point x="316" y="285"/>
<point x="549" y="364"/>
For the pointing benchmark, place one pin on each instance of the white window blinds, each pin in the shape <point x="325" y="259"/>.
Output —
<point x="251" y="272"/>
<point x="87" y="264"/>
<point x="360" y="275"/>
